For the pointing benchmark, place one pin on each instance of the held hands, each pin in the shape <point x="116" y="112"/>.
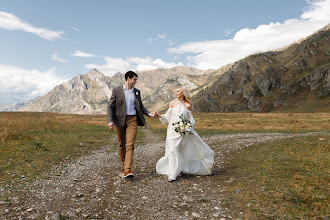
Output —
<point x="154" y="114"/>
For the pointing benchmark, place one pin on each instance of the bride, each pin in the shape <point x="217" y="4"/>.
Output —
<point x="184" y="152"/>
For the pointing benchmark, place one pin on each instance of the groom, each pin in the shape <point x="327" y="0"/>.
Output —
<point x="125" y="111"/>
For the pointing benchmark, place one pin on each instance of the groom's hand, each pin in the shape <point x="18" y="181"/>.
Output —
<point x="111" y="126"/>
<point x="154" y="114"/>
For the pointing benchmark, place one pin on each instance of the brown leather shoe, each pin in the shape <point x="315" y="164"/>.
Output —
<point x="128" y="174"/>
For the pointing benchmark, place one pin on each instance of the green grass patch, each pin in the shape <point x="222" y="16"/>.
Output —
<point x="285" y="179"/>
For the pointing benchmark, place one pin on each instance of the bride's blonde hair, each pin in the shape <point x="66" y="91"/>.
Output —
<point x="186" y="95"/>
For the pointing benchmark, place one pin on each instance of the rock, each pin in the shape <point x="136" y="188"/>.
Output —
<point x="188" y="199"/>
<point x="98" y="190"/>
<point x="56" y="216"/>
<point x="184" y="204"/>
<point x="78" y="195"/>
<point x="196" y="215"/>
<point x="72" y="214"/>
<point x="217" y="214"/>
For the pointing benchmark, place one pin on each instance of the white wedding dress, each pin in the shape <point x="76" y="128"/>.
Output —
<point x="188" y="153"/>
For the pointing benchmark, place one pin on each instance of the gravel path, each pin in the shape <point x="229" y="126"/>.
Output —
<point x="91" y="188"/>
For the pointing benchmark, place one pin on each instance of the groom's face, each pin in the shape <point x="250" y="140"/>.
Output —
<point x="132" y="81"/>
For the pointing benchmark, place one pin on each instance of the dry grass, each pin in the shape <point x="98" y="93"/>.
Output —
<point x="292" y="122"/>
<point x="30" y="143"/>
<point x="281" y="180"/>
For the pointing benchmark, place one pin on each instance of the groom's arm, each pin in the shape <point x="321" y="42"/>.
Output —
<point x="111" y="109"/>
<point x="144" y="110"/>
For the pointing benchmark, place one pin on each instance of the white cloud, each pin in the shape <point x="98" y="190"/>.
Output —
<point x="115" y="65"/>
<point x="78" y="53"/>
<point x="75" y="29"/>
<point x="214" y="54"/>
<point x="162" y="38"/>
<point x="19" y="84"/>
<point x="228" y="32"/>
<point x="57" y="58"/>
<point x="12" y="23"/>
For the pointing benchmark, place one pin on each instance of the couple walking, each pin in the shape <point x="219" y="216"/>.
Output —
<point x="185" y="151"/>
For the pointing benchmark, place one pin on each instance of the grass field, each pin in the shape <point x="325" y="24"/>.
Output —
<point x="262" y="122"/>
<point x="288" y="179"/>
<point x="30" y="143"/>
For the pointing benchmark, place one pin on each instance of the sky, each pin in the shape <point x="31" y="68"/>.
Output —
<point x="44" y="43"/>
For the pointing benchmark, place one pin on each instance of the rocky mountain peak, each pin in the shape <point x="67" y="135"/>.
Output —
<point x="94" y="74"/>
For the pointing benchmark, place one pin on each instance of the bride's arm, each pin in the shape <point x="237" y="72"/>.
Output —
<point x="166" y="118"/>
<point x="191" y="118"/>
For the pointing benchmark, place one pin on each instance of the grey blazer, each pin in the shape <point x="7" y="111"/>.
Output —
<point x="117" y="107"/>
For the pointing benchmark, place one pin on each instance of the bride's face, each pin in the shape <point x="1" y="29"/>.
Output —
<point x="179" y="93"/>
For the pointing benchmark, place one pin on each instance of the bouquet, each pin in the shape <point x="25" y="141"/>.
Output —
<point x="183" y="126"/>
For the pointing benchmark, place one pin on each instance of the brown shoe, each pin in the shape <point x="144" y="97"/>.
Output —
<point x="128" y="174"/>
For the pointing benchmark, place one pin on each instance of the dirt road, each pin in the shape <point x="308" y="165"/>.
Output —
<point x="90" y="187"/>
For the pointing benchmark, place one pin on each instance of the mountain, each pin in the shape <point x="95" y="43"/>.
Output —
<point x="83" y="94"/>
<point x="90" y="93"/>
<point x="15" y="106"/>
<point x="297" y="77"/>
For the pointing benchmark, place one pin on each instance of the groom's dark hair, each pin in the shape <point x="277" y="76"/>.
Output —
<point x="130" y="74"/>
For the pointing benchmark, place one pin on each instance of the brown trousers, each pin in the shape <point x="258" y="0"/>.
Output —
<point x="126" y="138"/>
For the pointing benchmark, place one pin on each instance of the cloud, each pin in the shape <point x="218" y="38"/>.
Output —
<point x="214" y="54"/>
<point x="228" y="32"/>
<point x="12" y="23"/>
<point x="162" y="38"/>
<point x="115" y="65"/>
<point x="19" y="84"/>
<point x="61" y="60"/>
<point x="78" y="53"/>
<point x="76" y="29"/>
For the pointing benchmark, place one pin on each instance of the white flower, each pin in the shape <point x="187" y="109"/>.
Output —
<point x="137" y="93"/>
<point x="181" y="123"/>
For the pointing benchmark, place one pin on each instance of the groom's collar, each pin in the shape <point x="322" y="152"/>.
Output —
<point x="124" y="87"/>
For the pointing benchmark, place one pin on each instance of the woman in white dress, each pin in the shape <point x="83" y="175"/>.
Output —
<point x="186" y="153"/>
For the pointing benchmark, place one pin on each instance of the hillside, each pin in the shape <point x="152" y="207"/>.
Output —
<point x="297" y="77"/>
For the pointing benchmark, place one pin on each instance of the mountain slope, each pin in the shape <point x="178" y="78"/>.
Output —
<point x="83" y="94"/>
<point x="90" y="93"/>
<point x="296" y="77"/>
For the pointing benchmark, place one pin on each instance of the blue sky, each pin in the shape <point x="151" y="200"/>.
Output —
<point x="43" y="42"/>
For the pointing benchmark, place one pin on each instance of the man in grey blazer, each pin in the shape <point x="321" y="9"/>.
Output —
<point x="125" y="111"/>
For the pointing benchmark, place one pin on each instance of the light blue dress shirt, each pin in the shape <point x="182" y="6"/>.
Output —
<point x="129" y="99"/>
